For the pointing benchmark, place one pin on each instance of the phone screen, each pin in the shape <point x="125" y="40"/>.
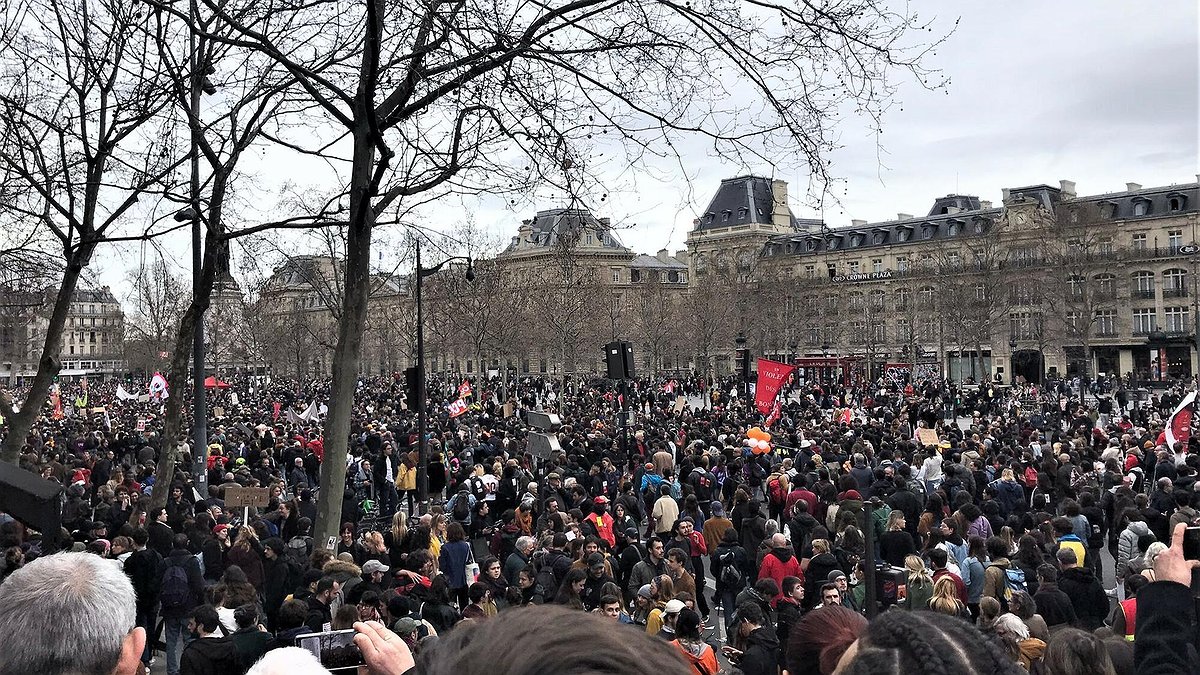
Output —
<point x="335" y="649"/>
<point x="1191" y="543"/>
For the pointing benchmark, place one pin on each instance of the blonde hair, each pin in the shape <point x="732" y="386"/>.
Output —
<point x="893" y="521"/>
<point x="820" y="546"/>
<point x="945" y="597"/>
<point x="916" y="570"/>
<point x="399" y="527"/>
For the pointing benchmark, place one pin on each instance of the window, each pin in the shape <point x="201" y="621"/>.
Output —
<point x="954" y="261"/>
<point x="856" y="241"/>
<point x="1025" y="325"/>
<point x="903" y="329"/>
<point x="92" y="336"/>
<point x="725" y="216"/>
<point x="1106" y="285"/>
<point x="856" y="300"/>
<point x="904" y="234"/>
<point x="1174" y="240"/>
<point x="743" y="212"/>
<point x="616" y="303"/>
<point x="673" y="276"/>
<point x="1143" y="285"/>
<point x="1104" y="246"/>
<point x="980" y="292"/>
<point x="1106" y="322"/>
<point x="814" y="335"/>
<point x="810" y="271"/>
<point x="1024" y="256"/>
<point x="635" y="276"/>
<point x="855" y="267"/>
<point x="1144" y="321"/>
<point x="1175" y="204"/>
<point x="877" y="265"/>
<point x="810" y="245"/>
<point x="616" y="276"/>
<point x="903" y="298"/>
<point x="877" y="300"/>
<point x="878" y="332"/>
<point x="1023" y="292"/>
<point x="1075" y="287"/>
<point x="925" y="298"/>
<point x="1139" y="241"/>
<point x="901" y="263"/>
<point x="590" y="240"/>
<point x="72" y="349"/>
<point x="879" y="237"/>
<point x="952" y="229"/>
<point x="1177" y="319"/>
<point x="1141" y="207"/>
<point x="1075" y="321"/>
<point x="1175" y="283"/>
<point x="832" y="243"/>
<point x="978" y="226"/>
<point x="927" y="329"/>
<point x="927" y="232"/>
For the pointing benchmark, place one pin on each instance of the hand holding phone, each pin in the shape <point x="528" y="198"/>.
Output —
<point x="1177" y="562"/>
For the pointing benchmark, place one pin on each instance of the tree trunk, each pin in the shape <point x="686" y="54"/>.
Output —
<point x="351" y="324"/>
<point x="19" y="423"/>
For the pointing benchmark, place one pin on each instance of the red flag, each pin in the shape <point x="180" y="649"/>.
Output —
<point x="457" y="407"/>
<point x="771" y="375"/>
<point x="464" y="389"/>
<point x="276" y="407"/>
<point x="776" y="413"/>
<point x="1179" y="427"/>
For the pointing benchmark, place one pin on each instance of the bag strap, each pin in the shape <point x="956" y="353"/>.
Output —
<point x="470" y="553"/>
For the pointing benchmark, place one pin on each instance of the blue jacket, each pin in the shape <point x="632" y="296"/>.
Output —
<point x="453" y="561"/>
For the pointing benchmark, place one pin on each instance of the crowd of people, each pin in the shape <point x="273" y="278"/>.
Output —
<point x="984" y="513"/>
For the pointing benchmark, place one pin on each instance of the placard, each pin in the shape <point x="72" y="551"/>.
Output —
<point x="141" y="425"/>
<point x="680" y="402"/>
<point x="927" y="437"/>
<point x="242" y="497"/>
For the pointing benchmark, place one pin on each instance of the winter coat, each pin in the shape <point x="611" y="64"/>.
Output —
<point x="1087" y="596"/>
<point x="818" y="573"/>
<point x="761" y="656"/>
<point x="1127" y="548"/>
<point x="780" y="563"/>
<point x="452" y="561"/>
<point x="1010" y="495"/>
<point x="1054" y="606"/>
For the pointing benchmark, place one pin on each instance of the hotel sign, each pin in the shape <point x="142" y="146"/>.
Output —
<point x="862" y="276"/>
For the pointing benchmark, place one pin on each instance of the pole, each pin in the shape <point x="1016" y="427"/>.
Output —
<point x="422" y="446"/>
<point x="868" y="561"/>
<point x="199" y="411"/>
<point x="1196" y="318"/>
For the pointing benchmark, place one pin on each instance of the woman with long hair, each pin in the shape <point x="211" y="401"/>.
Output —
<point x="492" y="577"/>
<point x="662" y="591"/>
<point x="698" y="653"/>
<point x="452" y="561"/>
<point x="945" y="599"/>
<point x="233" y="591"/>
<point x="1028" y="558"/>
<point x="896" y="543"/>
<point x="571" y="589"/>
<point x="373" y="548"/>
<point x="920" y="584"/>
<point x="246" y="553"/>
<point x="396" y="540"/>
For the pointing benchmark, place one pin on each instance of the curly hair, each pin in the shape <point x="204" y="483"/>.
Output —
<point x="927" y="643"/>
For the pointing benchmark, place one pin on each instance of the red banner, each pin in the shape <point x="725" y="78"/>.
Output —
<point x="771" y="376"/>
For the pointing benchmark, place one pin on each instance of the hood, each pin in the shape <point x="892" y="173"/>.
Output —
<point x="336" y="566"/>
<point x="783" y="553"/>
<point x="1083" y="575"/>
<point x="1071" y="537"/>
<point x="824" y="559"/>
<point x="1139" y="528"/>
<point x="764" y="637"/>
<point x="805" y="520"/>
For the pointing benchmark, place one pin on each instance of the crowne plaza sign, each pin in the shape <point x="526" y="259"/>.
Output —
<point x="862" y="276"/>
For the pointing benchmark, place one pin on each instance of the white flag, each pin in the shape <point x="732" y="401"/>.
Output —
<point x="309" y="413"/>
<point x="124" y="395"/>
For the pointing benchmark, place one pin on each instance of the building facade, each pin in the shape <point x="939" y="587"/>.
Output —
<point x="92" y="341"/>
<point x="1045" y="283"/>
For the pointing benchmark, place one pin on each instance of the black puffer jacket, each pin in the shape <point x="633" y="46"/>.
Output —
<point x="1087" y="596"/>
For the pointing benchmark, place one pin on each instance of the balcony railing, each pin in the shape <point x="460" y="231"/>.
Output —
<point x="1180" y="292"/>
<point x="1142" y="293"/>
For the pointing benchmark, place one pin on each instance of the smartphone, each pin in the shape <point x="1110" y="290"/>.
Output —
<point x="335" y="649"/>
<point x="1191" y="543"/>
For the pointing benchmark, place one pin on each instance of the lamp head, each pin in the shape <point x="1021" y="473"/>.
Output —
<point x="470" y="270"/>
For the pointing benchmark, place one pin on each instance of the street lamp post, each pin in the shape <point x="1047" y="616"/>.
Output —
<point x="1012" y="360"/>
<point x="422" y="443"/>
<point x="825" y="369"/>
<point x="743" y="359"/>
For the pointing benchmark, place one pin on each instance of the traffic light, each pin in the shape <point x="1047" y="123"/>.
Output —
<point x="416" y="388"/>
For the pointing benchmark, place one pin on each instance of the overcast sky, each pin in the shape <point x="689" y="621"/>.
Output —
<point x="1101" y="92"/>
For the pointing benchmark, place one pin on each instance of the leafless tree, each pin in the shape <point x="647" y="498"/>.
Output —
<point x="158" y="299"/>
<point x="81" y="97"/>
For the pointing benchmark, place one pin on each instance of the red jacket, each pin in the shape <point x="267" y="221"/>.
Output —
<point x="604" y="527"/>
<point x="777" y="564"/>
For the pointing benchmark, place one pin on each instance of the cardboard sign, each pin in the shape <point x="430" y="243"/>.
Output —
<point x="141" y="425"/>
<point x="680" y="402"/>
<point x="218" y="412"/>
<point x="927" y="437"/>
<point x="242" y="497"/>
<point x="508" y="409"/>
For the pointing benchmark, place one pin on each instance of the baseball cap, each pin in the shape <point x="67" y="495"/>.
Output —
<point x="374" y="566"/>
<point x="404" y="625"/>
<point x="644" y="591"/>
<point x="673" y="607"/>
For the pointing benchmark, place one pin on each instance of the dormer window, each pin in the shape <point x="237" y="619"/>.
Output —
<point x="927" y="232"/>
<point x="1176" y="202"/>
<point x="708" y="217"/>
<point x="904" y="234"/>
<point x="879" y="238"/>
<point x="1108" y="210"/>
<point x="725" y="215"/>
<point x="978" y="226"/>
<point x="810" y="245"/>
<point x="856" y="241"/>
<point x="1141" y="206"/>
<point x="831" y="244"/>
<point x="952" y="229"/>
<point x="742" y="213"/>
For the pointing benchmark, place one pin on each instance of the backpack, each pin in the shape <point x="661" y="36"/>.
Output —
<point x="731" y="576"/>
<point x="1031" y="477"/>
<point x="775" y="491"/>
<point x="1014" y="580"/>
<point x="755" y="473"/>
<point x="176" y="591"/>
<point x="462" y="508"/>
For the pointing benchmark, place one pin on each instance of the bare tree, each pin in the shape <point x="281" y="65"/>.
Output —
<point x="158" y="299"/>
<point x="81" y="94"/>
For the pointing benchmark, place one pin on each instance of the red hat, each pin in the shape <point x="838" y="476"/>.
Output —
<point x="649" y="466"/>
<point x="601" y="500"/>
<point x="220" y="528"/>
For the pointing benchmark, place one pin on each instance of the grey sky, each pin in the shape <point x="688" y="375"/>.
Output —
<point x="1097" y="91"/>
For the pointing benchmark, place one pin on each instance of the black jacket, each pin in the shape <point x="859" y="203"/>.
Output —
<point x="195" y="582"/>
<point x="761" y="656"/>
<point x="1166" y="636"/>
<point x="1054" y="606"/>
<point x="1087" y="596"/>
<point x="318" y="615"/>
<point x="209" y="656"/>
<point x="145" y="571"/>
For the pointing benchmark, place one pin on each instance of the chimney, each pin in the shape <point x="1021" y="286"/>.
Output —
<point x="904" y="216"/>
<point x="662" y="255"/>
<point x="681" y="255"/>
<point x="858" y="223"/>
<point x="985" y="204"/>
<point x="1004" y="195"/>
<point x="525" y="234"/>
<point x="605" y="223"/>
<point x="1067" y="188"/>
<point x="1132" y="187"/>
<point x="781" y="215"/>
